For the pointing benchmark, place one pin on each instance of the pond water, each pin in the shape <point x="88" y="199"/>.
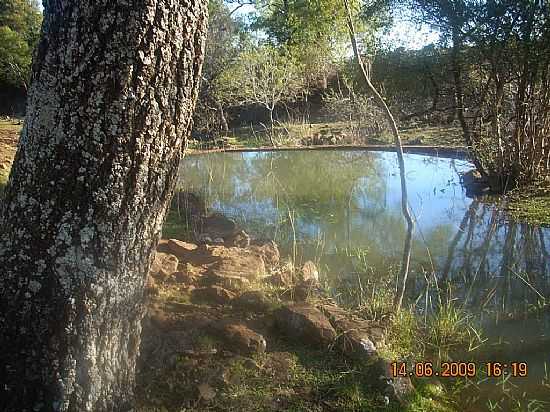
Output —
<point x="342" y="209"/>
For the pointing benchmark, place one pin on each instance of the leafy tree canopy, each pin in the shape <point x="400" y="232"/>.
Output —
<point x="20" y="22"/>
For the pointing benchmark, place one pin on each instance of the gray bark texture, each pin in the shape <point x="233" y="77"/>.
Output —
<point x="110" y="106"/>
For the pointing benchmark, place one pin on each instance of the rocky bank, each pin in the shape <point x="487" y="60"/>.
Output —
<point x="227" y="297"/>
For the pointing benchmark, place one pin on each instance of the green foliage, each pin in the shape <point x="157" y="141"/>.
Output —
<point x="315" y="32"/>
<point x="263" y="75"/>
<point x="530" y="206"/>
<point x="415" y="81"/>
<point x="226" y="34"/>
<point x="298" y="22"/>
<point x="500" y="60"/>
<point x="317" y="23"/>
<point x="23" y="17"/>
<point x="20" y="22"/>
<point x="15" y="57"/>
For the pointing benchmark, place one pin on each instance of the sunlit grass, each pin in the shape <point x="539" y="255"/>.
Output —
<point x="531" y="208"/>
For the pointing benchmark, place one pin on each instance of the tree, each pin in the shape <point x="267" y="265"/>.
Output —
<point x="109" y="109"/>
<point x="15" y="58"/>
<point x="416" y="83"/>
<point x="314" y="32"/>
<point x="262" y="75"/>
<point x="405" y="262"/>
<point x="229" y="35"/>
<point x="20" y="22"/>
<point x="500" y="59"/>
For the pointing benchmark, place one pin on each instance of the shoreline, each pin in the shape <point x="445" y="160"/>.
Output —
<point x="451" y="152"/>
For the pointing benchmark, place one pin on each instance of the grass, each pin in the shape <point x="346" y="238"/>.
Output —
<point x="290" y="377"/>
<point x="175" y="227"/>
<point x="531" y="206"/>
<point x="9" y="136"/>
<point x="296" y="133"/>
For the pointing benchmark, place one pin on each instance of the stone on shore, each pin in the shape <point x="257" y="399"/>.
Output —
<point x="253" y="300"/>
<point x="163" y="266"/>
<point x="305" y="322"/>
<point x="240" y="338"/>
<point x="234" y="261"/>
<point x="268" y="251"/>
<point x="396" y="388"/>
<point x="181" y="248"/>
<point x="310" y="274"/>
<point x="212" y="294"/>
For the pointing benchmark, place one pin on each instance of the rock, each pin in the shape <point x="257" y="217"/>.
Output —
<point x="333" y="312"/>
<point x="204" y="238"/>
<point x="471" y="176"/>
<point x="159" y="318"/>
<point x="475" y="184"/>
<point x="305" y="290"/>
<point x="163" y="266"/>
<point x="217" y="225"/>
<point x="310" y="272"/>
<point x="180" y="248"/>
<point x="253" y="300"/>
<point x="357" y="337"/>
<point x="305" y="322"/>
<point x="213" y="294"/>
<point x="184" y="277"/>
<point x="237" y="262"/>
<point x="283" y="276"/>
<point x="268" y="251"/>
<point x="354" y="339"/>
<point x="239" y="337"/>
<point x="240" y="239"/>
<point x="233" y="283"/>
<point x="397" y="388"/>
<point x="218" y="241"/>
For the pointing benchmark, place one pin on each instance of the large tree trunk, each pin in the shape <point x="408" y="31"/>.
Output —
<point x="110" y="106"/>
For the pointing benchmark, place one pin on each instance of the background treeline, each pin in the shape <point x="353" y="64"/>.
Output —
<point x="288" y="62"/>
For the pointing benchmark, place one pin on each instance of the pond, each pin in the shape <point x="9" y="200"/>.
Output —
<point x="342" y="209"/>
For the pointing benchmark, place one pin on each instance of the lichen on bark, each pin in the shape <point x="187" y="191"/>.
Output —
<point x="109" y="109"/>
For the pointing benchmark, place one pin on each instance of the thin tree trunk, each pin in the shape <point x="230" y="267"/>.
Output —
<point x="225" y="126"/>
<point x="109" y="110"/>
<point x="459" y="98"/>
<point x="272" y="126"/>
<point x="399" y="150"/>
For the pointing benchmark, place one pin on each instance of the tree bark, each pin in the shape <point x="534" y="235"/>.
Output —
<point x="113" y="90"/>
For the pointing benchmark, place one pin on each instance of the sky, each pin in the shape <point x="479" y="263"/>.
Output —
<point x="404" y="33"/>
<point x="409" y="35"/>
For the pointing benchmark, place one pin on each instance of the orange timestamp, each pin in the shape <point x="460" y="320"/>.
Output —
<point x="458" y="369"/>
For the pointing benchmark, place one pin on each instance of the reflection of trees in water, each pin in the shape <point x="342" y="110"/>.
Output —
<point x="318" y="187"/>
<point x="496" y="263"/>
<point x="339" y="200"/>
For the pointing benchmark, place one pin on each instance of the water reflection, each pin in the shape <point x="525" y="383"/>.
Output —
<point x="343" y="200"/>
